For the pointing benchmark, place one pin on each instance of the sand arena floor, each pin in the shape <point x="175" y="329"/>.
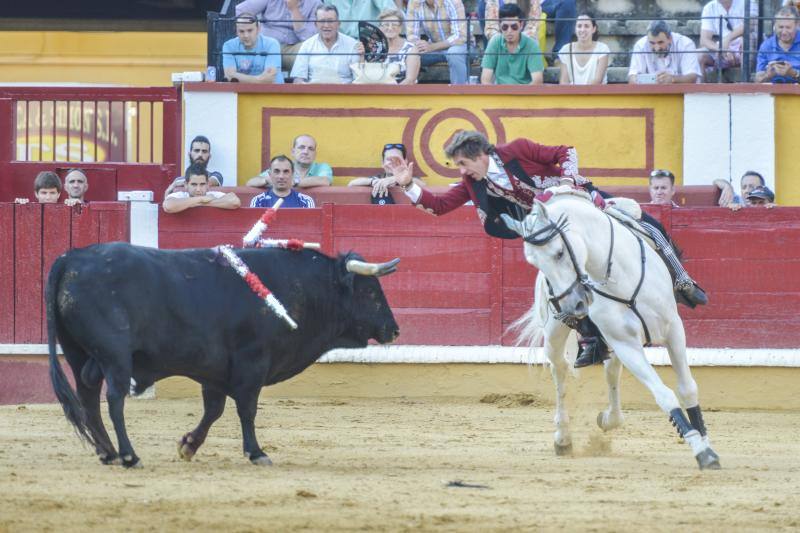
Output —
<point x="383" y="464"/>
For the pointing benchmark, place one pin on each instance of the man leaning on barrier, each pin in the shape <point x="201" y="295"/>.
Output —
<point x="664" y="56"/>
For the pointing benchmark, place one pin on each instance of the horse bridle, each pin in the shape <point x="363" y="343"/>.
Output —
<point x="547" y="233"/>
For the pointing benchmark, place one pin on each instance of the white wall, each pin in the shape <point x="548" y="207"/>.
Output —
<point x="213" y="114"/>
<point x="726" y="135"/>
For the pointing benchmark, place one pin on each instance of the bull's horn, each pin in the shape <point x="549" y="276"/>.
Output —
<point x="372" y="269"/>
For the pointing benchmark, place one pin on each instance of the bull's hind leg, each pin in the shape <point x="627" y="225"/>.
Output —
<point x="213" y="407"/>
<point x="118" y="381"/>
<point x="555" y="338"/>
<point x="612" y="417"/>
<point x="687" y="387"/>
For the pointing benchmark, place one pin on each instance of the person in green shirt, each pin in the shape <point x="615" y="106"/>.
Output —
<point x="512" y="58"/>
<point x="366" y="10"/>
<point x="307" y="171"/>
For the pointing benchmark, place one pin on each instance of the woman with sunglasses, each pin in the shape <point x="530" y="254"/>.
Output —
<point x="585" y="61"/>
<point x="381" y="182"/>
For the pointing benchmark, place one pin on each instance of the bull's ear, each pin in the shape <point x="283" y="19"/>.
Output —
<point x="512" y="224"/>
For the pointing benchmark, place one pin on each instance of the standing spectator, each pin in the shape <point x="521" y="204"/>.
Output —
<point x="726" y="48"/>
<point x="585" y="61"/>
<point x="47" y="187"/>
<point x="197" y="194"/>
<point x="512" y="58"/>
<point x="563" y="12"/>
<point x="353" y="11"/>
<point x="668" y="56"/>
<point x="281" y="171"/>
<point x="438" y="28"/>
<point x="290" y="22"/>
<point x="779" y="56"/>
<point x="490" y="12"/>
<point x="662" y="187"/>
<point x="251" y="57"/>
<point x="199" y="152"/>
<point x="326" y="57"/>
<point x="401" y="51"/>
<point x="76" y="184"/>
<point x="307" y="171"/>
<point x="381" y="182"/>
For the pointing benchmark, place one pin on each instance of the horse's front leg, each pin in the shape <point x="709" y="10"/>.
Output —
<point x="555" y="339"/>
<point x="612" y="417"/>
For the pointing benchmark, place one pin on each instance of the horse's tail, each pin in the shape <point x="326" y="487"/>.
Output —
<point x="70" y="403"/>
<point x="530" y="326"/>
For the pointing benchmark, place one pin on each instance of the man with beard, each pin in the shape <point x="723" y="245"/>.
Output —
<point x="199" y="154"/>
<point x="668" y="56"/>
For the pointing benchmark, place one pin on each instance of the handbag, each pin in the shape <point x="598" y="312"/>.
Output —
<point x="383" y="73"/>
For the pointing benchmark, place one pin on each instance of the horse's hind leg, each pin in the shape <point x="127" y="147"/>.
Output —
<point x="687" y="386"/>
<point x="555" y="339"/>
<point x="612" y="417"/>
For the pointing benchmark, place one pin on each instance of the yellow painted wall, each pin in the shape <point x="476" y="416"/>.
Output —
<point x="348" y="138"/>
<point x="122" y="58"/>
<point x="787" y="164"/>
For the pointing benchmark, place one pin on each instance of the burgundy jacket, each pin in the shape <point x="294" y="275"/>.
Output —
<point x="536" y="161"/>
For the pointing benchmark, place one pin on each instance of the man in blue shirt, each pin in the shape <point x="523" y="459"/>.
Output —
<point x="281" y="173"/>
<point x="779" y="56"/>
<point x="251" y="57"/>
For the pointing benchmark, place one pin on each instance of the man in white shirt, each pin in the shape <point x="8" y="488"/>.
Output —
<point x="197" y="194"/>
<point x="728" y="46"/>
<point x="326" y="57"/>
<point x="666" y="55"/>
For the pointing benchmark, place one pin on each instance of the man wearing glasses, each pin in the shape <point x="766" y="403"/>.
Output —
<point x="505" y="179"/>
<point x="512" y="58"/>
<point x="326" y="57"/>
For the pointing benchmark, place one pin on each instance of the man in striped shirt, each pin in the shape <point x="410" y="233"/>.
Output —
<point x="438" y="28"/>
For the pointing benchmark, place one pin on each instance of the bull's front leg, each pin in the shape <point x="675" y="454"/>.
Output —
<point x="213" y="407"/>
<point x="247" y="406"/>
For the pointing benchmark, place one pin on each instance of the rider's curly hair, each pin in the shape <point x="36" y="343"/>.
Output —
<point x="469" y="144"/>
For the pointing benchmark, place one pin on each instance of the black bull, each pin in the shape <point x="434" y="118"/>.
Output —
<point x="122" y="312"/>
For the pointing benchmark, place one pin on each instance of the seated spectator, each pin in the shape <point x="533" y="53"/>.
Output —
<point x="46" y="187"/>
<point x="728" y="198"/>
<point x="779" y="56"/>
<point x="401" y="51"/>
<point x="76" y="184"/>
<point x="512" y="58"/>
<point x="725" y="48"/>
<point x="281" y="171"/>
<point x="326" y="57"/>
<point x="381" y="182"/>
<point x="490" y="12"/>
<point x="199" y="153"/>
<point x="662" y="187"/>
<point x="251" y="57"/>
<point x="288" y="22"/>
<point x="197" y="194"/>
<point x="761" y="196"/>
<point x="438" y="28"/>
<point x="307" y="172"/>
<point x="585" y="61"/>
<point x="667" y="56"/>
<point x="352" y="11"/>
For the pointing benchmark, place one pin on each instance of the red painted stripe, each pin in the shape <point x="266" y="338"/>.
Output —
<point x="55" y="241"/>
<point x="28" y="275"/>
<point x="6" y="273"/>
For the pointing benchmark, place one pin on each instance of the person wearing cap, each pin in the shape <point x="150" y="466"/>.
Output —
<point x="505" y="179"/>
<point x="761" y="196"/>
<point x="749" y="181"/>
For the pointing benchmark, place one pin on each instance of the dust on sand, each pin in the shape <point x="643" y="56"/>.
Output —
<point x="385" y="464"/>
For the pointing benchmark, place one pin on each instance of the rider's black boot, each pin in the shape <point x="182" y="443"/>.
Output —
<point x="689" y="293"/>
<point x="593" y="349"/>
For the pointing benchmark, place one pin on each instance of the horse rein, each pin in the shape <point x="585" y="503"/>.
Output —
<point x="548" y="233"/>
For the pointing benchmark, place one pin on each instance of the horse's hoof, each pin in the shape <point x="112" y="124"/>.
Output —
<point x="563" y="449"/>
<point x="603" y="424"/>
<point x="262" y="460"/>
<point x="708" y="460"/>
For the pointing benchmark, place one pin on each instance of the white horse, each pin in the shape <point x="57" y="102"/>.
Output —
<point x="591" y="264"/>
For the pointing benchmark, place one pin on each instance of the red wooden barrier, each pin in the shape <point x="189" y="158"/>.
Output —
<point x="32" y="237"/>
<point x="456" y="286"/>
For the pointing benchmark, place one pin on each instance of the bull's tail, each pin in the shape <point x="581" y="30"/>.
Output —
<point x="70" y="403"/>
